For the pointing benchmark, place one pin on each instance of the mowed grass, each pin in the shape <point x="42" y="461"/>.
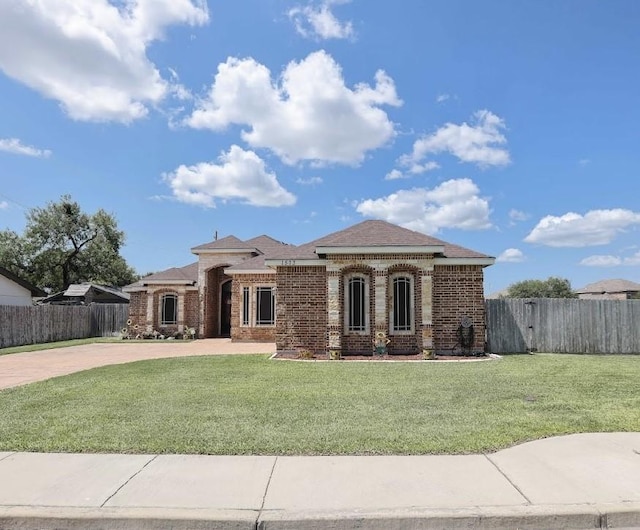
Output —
<point x="58" y="344"/>
<point x="253" y="405"/>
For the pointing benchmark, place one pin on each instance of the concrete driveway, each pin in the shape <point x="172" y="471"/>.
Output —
<point x="22" y="368"/>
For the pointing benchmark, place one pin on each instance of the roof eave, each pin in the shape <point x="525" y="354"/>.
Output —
<point x="295" y="262"/>
<point x="231" y="272"/>
<point x="484" y="262"/>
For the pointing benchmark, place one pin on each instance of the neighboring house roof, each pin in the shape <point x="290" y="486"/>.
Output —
<point x="497" y="294"/>
<point x="377" y="234"/>
<point x="35" y="291"/>
<point x="610" y="286"/>
<point x="81" y="290"/>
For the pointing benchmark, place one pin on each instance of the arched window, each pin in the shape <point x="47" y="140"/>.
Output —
<point x="356" y="303"/>
<point x="169" y="309"/>
<point x="402" y="305"/>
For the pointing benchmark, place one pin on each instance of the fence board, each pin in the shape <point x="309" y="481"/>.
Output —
<point x="563" y="325"/>
<point x="49" y="323"/>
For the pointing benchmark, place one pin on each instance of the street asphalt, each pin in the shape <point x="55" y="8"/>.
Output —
<point x="580" y="481"/>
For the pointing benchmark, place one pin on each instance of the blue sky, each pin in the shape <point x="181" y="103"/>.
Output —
<point x="509" y="127"/>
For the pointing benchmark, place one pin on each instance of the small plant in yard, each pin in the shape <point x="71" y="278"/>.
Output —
<point x="428" y="354"/>
<point x="131" y="331"/>
<point x="189" y="333"/>
<point x="305" y="354"/>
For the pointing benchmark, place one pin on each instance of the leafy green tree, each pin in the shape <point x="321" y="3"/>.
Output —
<point x="62" y="245"/>
<point x="552" y="287"/>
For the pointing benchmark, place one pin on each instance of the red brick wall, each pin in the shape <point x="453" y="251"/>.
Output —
<point x="250" y="333"/>
<point x="301" y="309"/>
<point x="138" y="309"/>
<point x="457" y="292"/>
<point x="191" y="312"/>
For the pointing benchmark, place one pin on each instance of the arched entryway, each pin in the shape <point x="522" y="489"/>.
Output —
<point x="217" y="303"/>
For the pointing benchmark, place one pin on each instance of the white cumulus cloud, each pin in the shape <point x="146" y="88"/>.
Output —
<point x="91" y="55"/>
<point x="4" y="205"/>
<point x="238" y="175"/>
<point x="601" y="261"/>
<point x="395" y="174"/>
<point x="319" y="21"/>
<point x="596" y="227"/>
<point x="517" y="215"/>
<point x="480" y="143"/>
<point x="15" y="146"/>
<point x="309" y="114"/>
<point x="611" y="261"/>
<point x="453" y="204"/>
<point x="311" y="181"/>
<point x="511" y="255"/>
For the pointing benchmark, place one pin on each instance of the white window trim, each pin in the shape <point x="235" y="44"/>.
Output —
<point x="412" y="303"/>
<point x="367" y="307"/>
<point x="161" y="309"/>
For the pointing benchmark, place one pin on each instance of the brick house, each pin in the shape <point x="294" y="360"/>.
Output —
<point x="334" y="293"/>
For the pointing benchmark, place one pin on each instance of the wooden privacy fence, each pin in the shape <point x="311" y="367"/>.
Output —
<point x="48" y="323"/>
<point x="559" y="325"/>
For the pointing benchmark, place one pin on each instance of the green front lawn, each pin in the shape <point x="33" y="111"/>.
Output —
<point x="58" y="344"/>
<point x="251" y="405"/>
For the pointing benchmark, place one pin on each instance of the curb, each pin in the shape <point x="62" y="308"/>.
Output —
<point x="573" y="517"/>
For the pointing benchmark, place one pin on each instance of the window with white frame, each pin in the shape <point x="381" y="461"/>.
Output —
<point x="402" y="304"/>
<point x="265" y="306"/>
<point x="356" y="303"/>
<point x="169" y="309"/>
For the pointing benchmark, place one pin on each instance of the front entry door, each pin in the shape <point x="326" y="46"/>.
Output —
<point x="225" y="309"/>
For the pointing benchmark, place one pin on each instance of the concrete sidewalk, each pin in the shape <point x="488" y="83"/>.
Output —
<point x="579" y="481"/>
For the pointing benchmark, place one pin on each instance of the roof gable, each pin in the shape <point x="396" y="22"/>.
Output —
<point x="266" y="244"/>
<point x="228" y="243"/>
<point x="375" y="233"/>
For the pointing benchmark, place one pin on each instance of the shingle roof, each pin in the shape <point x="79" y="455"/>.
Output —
<point x="610" y="286"/>
<point x="268" y="246"/>
<point x="375" y="233"/>
<point x="188" y="273"/>
<point x="226" y="243"/>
